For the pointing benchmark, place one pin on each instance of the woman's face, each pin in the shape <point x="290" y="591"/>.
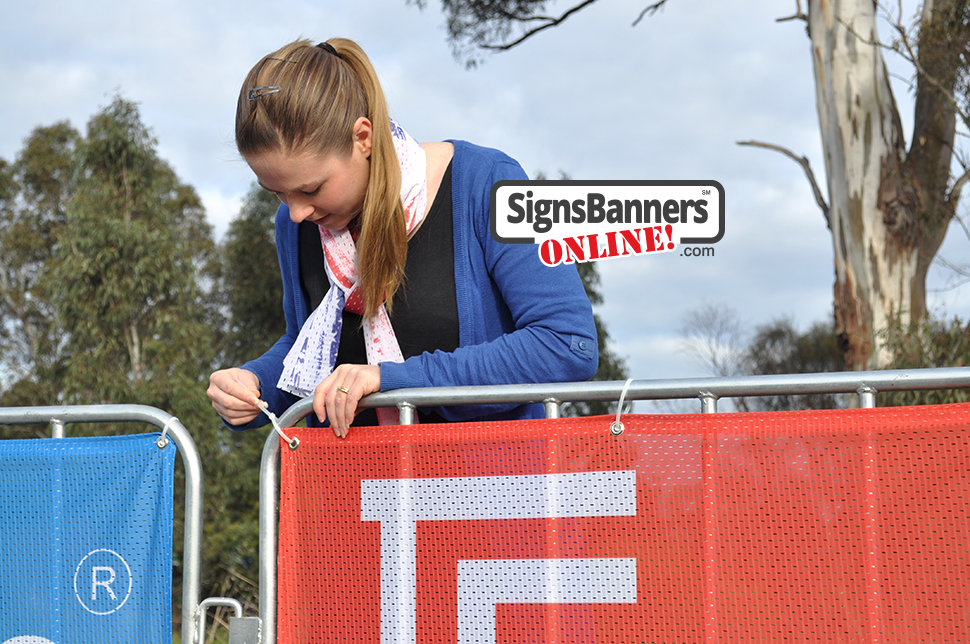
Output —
<point x="328" y="191"/>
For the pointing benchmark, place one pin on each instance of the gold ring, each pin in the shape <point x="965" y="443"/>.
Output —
<point x="343" y="390"/>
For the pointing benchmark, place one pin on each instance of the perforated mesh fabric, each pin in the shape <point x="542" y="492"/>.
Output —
<point x="86" y="540"/>
<point x="829" y="526"/>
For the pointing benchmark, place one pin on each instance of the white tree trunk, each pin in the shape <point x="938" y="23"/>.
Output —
<point x="133" y="340"/>
<point x="875" y="252"/>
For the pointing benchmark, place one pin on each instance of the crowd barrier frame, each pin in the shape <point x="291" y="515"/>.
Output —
<point x="58" y="417"/>
<point x="865" y="384"/>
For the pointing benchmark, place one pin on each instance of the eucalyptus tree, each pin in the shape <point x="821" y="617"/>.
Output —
<point x="34" y="192"/>
<point x="888" y="204"/>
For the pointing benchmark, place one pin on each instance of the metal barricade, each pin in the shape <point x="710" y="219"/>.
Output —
<point x="865" y="384"/>
<point x="58" y="417"/>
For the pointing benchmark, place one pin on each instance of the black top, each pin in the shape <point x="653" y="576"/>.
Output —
<point x="425" y="309"/>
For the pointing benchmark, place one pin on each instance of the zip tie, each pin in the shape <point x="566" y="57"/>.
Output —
<point x="616" y="427"/>
<point x="162" y="441"/>
<point x="292" y="442"/>
<point x="262" y="404"/>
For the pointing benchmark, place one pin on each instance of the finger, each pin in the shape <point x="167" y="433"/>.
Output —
<point x="346" y="396"/>
<point x="232" y="398"/>
<point x="231" y="386"/>
<point x="351" y="398"/>
<point x="230" y="411"/>
<point x="323" y="407"/>
<point x="249" y="393"/>
<point x="339" y="420"/>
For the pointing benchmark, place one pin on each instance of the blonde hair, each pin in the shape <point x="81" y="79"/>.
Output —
<point x="319" y="98"/>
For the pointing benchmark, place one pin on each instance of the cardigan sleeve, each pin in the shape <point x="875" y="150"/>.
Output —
<point x="269" y="366"/>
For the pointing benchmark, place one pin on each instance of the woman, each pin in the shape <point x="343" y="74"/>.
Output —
<point x="390" y="275"/>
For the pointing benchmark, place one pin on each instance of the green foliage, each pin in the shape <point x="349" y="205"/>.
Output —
<point x="779" y="348"/>
<point x="932" y="343"/>
<point x="475" y="26"/>
<point x="716" y="338"/>
<point x="251" y="280"/>
<point x="34" y="192"/>
<point x="127" y="267"/>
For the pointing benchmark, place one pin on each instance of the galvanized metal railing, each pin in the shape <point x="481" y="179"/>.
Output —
<point x="865" y="384"/>
<point x="58" y="417"/>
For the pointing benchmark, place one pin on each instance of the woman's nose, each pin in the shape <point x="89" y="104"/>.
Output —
<point x="300" y="209"/>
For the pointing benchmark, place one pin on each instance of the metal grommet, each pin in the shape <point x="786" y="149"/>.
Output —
<point x="162" y="441"/>
<point x="616" y="427"/>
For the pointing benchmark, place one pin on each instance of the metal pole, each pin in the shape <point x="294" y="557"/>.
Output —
<point x="269" y="532"/>
<point x="736" y="386"/>
<point x="226" y="602"/>
<point x="57" y="428"/>
<point x="867" y="397"/>
<point x="406" y="413"/>
<point x="708" y="402"/>
<point x="552" y="407"/>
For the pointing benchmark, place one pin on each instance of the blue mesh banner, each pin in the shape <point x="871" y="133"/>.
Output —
<point x="86" y="540"/>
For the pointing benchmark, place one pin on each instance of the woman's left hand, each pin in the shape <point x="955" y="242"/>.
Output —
<point x="337" y="396"/>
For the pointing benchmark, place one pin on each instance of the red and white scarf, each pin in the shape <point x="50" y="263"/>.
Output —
<point x="314" y="354"/>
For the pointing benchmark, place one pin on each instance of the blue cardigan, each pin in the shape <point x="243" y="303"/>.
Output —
<point x="519" y="321"/>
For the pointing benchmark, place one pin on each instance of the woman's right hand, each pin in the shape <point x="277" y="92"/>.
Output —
<point x="235" y="395"/>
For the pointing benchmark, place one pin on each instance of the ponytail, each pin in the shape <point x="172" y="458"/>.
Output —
<point x="306" y="98"/>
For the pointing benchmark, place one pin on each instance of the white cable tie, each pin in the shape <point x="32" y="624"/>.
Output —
<point x="162" y="441"/>
<point x="616" y="427"/>
<point x="292" y="442"/>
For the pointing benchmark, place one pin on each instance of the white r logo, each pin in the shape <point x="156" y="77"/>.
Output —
<point x="110" y="578"/>
<point x="95" y="582"/>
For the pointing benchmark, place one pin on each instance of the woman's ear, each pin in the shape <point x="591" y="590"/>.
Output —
<point x="363" y="134"/>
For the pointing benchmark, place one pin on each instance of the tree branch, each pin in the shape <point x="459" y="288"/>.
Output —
<point x="532" y="32"/>
<point x="652" y="9"/>
<point x="798" y="15"/>
<point x="961" y="181"/>
<point x="802" y="161"/>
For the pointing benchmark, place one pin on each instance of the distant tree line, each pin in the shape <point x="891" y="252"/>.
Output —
<point x="714" y="336"/>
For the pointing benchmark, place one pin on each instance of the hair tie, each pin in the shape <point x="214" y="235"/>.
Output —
<point x="325" y="46"/>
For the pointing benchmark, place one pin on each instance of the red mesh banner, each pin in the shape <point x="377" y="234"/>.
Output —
<point x="844" y="526"/>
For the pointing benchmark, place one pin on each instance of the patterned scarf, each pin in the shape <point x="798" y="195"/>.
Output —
<point x="314" y="354"/>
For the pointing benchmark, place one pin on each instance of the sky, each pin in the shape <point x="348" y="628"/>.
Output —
<point x="595" y="98"/>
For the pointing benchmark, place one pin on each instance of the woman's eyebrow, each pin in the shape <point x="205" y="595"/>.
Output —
<point x="307" y="187"/>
